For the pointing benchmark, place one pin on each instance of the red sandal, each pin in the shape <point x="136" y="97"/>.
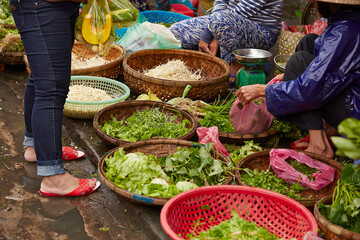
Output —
<point x="83" y="189"/>
<point x="307" y="139"/>
<point x="70" y="153"/>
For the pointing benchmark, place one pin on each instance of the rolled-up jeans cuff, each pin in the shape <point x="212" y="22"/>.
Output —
<point x="50" y="170"/>
<point x="28" y="141"/>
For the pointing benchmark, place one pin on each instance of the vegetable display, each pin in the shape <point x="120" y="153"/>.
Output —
<point x="235" y="228"/>
<point x="345" y="207"/>
<point x="146" y="124"/>
<point x="167" y="176"/>
<point x="268" y="180"/>
<point x="239" y="152"/>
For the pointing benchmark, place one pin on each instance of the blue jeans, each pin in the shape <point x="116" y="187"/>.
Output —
<point x="47" y="32"/>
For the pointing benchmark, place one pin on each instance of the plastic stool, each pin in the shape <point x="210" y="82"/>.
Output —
<point x="181" y="8"/>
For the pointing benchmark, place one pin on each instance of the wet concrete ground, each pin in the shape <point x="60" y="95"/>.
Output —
<point x="24" y="214"/>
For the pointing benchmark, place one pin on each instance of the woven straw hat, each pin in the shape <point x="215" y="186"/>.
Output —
<point x="349" y="2"/>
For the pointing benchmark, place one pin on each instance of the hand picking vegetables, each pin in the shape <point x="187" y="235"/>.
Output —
<point x="234" y="228"/>
<point x="345" y="207"/>
<point x="146" y="124"/>
<point x="95" y="26"/>
<point x="149" y="175"/>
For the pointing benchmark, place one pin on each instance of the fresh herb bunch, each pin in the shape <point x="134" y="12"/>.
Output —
<point x="217" y="114"/>
<point x="258" y="101"/>
<point x="239" y="152"/>
<point x="235" y="228"/>
<point x="268" y="180"/>
<point x="303" y="168"/>
<point x="146" y="124"/>
<point x="195" y="164"/>
<point x="345" y="207"/>
<point x="288" y="130"/>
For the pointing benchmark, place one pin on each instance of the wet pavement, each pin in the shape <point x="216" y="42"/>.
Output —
<point x="24" y="214"/>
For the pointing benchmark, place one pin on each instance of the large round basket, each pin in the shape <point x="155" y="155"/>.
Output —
<point x="124" y="110"/>
<point x="239" y="138"/>
<point x="331" y="230"/>
<point x="12" y="58"/>
<point x="261" y="161"/>
<point x="280" y="214"/>
<point x="111" y="70"/>
<point x="158" y="147"/>
<point x="87" y="110"/>
<point x="215" y="74"/>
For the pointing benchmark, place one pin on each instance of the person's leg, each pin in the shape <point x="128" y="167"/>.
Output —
<point x="28" y="143"/>
<point x="233" y="31"/>
<point x="47" y="30"/>
<point x="297" y="64"/>
<point x="189" y="31"/>
<point x="307" y="43"/>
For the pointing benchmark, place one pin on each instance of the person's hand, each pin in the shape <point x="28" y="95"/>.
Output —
<point x="213" y="46"/>
<point x="250" y="92"/>
<point x="204" y="47"/>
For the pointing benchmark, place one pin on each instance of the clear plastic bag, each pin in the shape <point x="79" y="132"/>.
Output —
<point x="283" y="169"/>
<point x="211" y="134"/>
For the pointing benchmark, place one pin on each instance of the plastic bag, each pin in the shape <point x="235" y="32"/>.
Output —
<point x="312" y="236"/>
<point x="318" y="26"/>
<point x="283" y="170"/>
<point x="211" y="134"/>
<point x="95" y="26"/>
<point x="146" y="35"/>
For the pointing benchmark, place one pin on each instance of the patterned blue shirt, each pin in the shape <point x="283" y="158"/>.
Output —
<point x="264" y="12"/>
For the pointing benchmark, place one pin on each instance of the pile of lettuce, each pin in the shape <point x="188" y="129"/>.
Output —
<point x="168" y="176"/>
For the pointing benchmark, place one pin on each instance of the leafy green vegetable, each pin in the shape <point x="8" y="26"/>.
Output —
<point x="303" y="168"/>
<point x="146" y="124"/>
<point x="288" y="130"/>
<point x="268" y="180"/>
<point x="349" y="146"/>
<point x="237" y="153"/>
<point x="217" y="114"/>
<point x="235" y="228"/>
<point x="258" y="101"/>
<point x="195" y="164"/>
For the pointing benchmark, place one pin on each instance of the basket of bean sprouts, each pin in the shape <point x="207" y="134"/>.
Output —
<point x="86" y="62"/>
<point x="89" y="94"/>
<point x="166" y="73"/>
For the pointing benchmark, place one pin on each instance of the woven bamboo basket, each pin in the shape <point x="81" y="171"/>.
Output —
<point x="205" y="7"/>
<point x="158" y="147"/>
<point x="215" y="74"/>
<point x="261" y="161"/>
<point x="309" y="14"/>
<point x="330" y="230"/>
<point x="12" y="58"/>
<point x="110" y="70"/>
<point x="125" y="109"/>
<point x="239" y="138"/>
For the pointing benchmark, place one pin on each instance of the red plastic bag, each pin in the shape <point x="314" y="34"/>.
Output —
<point x="318" y="26"/>
<point x="211" y="134"/>
<point x="283" y="170"/>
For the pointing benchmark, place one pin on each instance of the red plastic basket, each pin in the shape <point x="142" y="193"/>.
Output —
<point x="279" y="214"/>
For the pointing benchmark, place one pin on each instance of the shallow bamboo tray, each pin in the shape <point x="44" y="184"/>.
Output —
<point x="110" y="70"/>
<point x="261" y="161"/>
<point x="158" y="147"/>
<point x="330" y="230"/>
<point x="123" y="110"/>
<point x="214" y="82"/>
<point x="239" y="138"/>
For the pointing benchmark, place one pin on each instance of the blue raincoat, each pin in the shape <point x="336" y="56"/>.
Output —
<point x="335" y="68"/>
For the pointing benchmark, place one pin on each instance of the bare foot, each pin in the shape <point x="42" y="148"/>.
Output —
<point x="299" y="144"/>
<point x="62" y="184"/>
<point x="30" y="154"/>
<point x="319" y="144"/>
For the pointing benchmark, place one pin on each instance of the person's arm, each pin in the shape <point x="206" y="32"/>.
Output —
<point x="220" y="5"/>
<point x="249" y="8"/>
<point x="326" y="76"/>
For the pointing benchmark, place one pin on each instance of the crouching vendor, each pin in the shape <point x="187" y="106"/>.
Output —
<point x="321" y="82"/>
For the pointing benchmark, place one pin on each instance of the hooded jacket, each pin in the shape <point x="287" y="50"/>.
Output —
<point x="335" y="68"/>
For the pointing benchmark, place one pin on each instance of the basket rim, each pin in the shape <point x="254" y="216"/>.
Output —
<point x="175" y="83"/>
<point x="305" y="202"/>
<point x="322" y="221"/>
<point x="129" y="103"/>
<point x="108" y="80"/>
<point x="230" y="189"/>
<point x="246" y="136"/>
<point x="156" y="201"/>
<point x="165" y="13"/>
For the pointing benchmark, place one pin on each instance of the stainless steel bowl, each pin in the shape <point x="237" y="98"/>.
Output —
<point x="281" y="61"/>
<point x="252" y="55"/>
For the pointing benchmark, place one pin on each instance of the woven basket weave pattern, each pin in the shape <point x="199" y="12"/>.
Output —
<point x="215" y="74"/>
<point x="12" y="58"/>
<point x="261" y="161"/>
<point x="279" y="214"/>
<point x="158" y="147"/>
<point x="204" y="7"/>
